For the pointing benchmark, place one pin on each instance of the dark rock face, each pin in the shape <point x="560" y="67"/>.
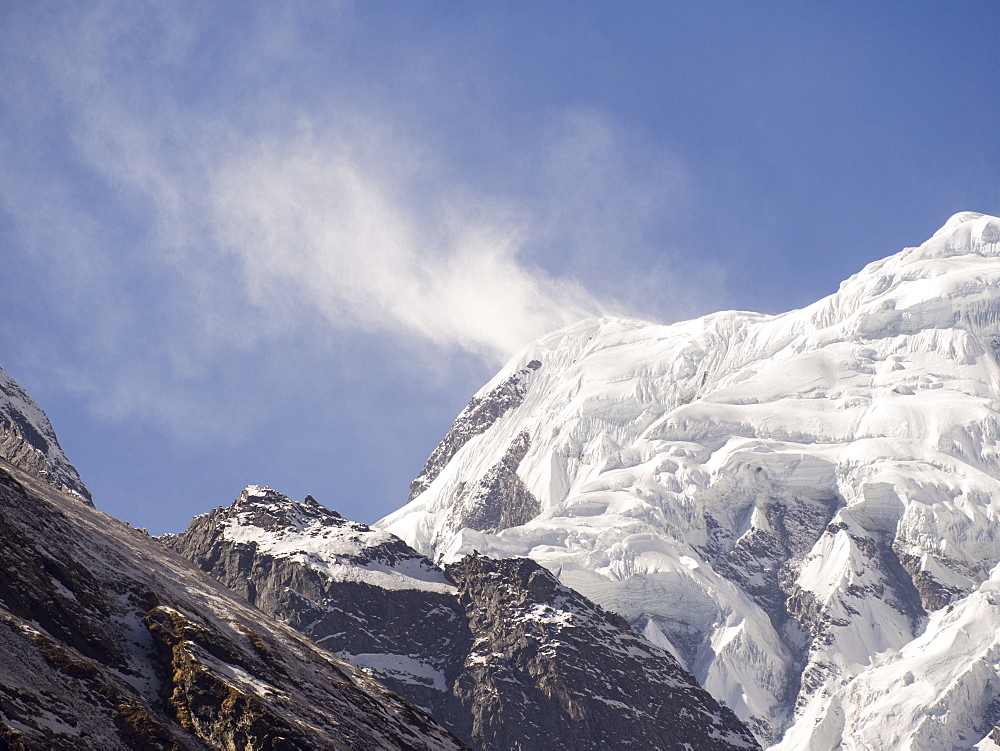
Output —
<point x="500" y="499"/>
<point x="569" y="672"/>
<point x="476" y="418"/>
<point x="28" y="441"/>
<point x="368" y="601"/>
<point x="110" y="641"/>
<point x="933" y="594"/>
<point x="498" y="651"/>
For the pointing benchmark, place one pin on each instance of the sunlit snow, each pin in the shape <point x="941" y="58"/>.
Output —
<point x="866" y="426"/>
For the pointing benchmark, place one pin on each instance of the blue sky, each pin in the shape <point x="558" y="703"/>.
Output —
<point x="285" y="243"/>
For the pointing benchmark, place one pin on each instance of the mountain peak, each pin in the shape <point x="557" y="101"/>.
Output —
<point x="965" y="232"/>
<point x="28" y="441"/>
<point x="266" y="508"/>
<point x="960" y="218"/>
<point x="260" y="494"/>
<point x="312" y="535"/>
<point x="779" y="500"/>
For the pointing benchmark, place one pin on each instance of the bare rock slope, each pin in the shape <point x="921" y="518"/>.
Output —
<point x="497" y="650"/>
<point x="110" y="641"/>
<point x="28" y="441"/>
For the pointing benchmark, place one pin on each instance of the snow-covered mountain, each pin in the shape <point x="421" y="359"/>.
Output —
<point x="28" y="441"/>
<point x="360" y="592"/>
<point x="804" y="508"/>
<point x="497" y="650"/>
<point x="110" y="641"/>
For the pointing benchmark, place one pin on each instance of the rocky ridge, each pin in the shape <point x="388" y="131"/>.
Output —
<point x="498" y="651"/>
<point x="549" y="669"/>
<point x="28" y="441"/>
<point x="360" y="592"/>
<point x="480" y="415"/>
<point x="110" y="641"/>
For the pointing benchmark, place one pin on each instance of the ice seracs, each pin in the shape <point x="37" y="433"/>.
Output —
<point x="938" y="692"/>
<point x="786" y="502"/>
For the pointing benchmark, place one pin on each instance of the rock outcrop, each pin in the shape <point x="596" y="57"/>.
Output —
<point x="498" y="651"/>
<point x="360" y="592"/>
<point x="549" y="669"/>
<point x="28" y="441"/>
<point x="480" y="415"/>
<point x="499" y="499"/>
<point x="110" y="641"/>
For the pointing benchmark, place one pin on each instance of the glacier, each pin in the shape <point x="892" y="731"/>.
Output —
<point x="803" y="508"/>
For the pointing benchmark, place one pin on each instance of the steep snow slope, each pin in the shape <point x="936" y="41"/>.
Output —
<point x="938" y="692"/>
<point x="498" y="651"/>
<point x="780" y="500"/>
<point x="28" y="441"/>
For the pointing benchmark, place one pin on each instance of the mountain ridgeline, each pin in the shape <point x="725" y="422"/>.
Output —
<point x="28" y="441"/>
<point x="109" y="641"/>
<point x="497" y="650"/>
<point x="802" y="508"/>
<point x="739" y="531"/>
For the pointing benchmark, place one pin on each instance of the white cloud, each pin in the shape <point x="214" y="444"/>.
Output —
<point x="337" y="212"/>
<point x="256" y="220"/>
<point x="310" y="216"/>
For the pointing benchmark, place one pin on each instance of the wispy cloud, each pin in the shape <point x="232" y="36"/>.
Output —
<point x="315" y="215"/>
<point x="252" y="218"/>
